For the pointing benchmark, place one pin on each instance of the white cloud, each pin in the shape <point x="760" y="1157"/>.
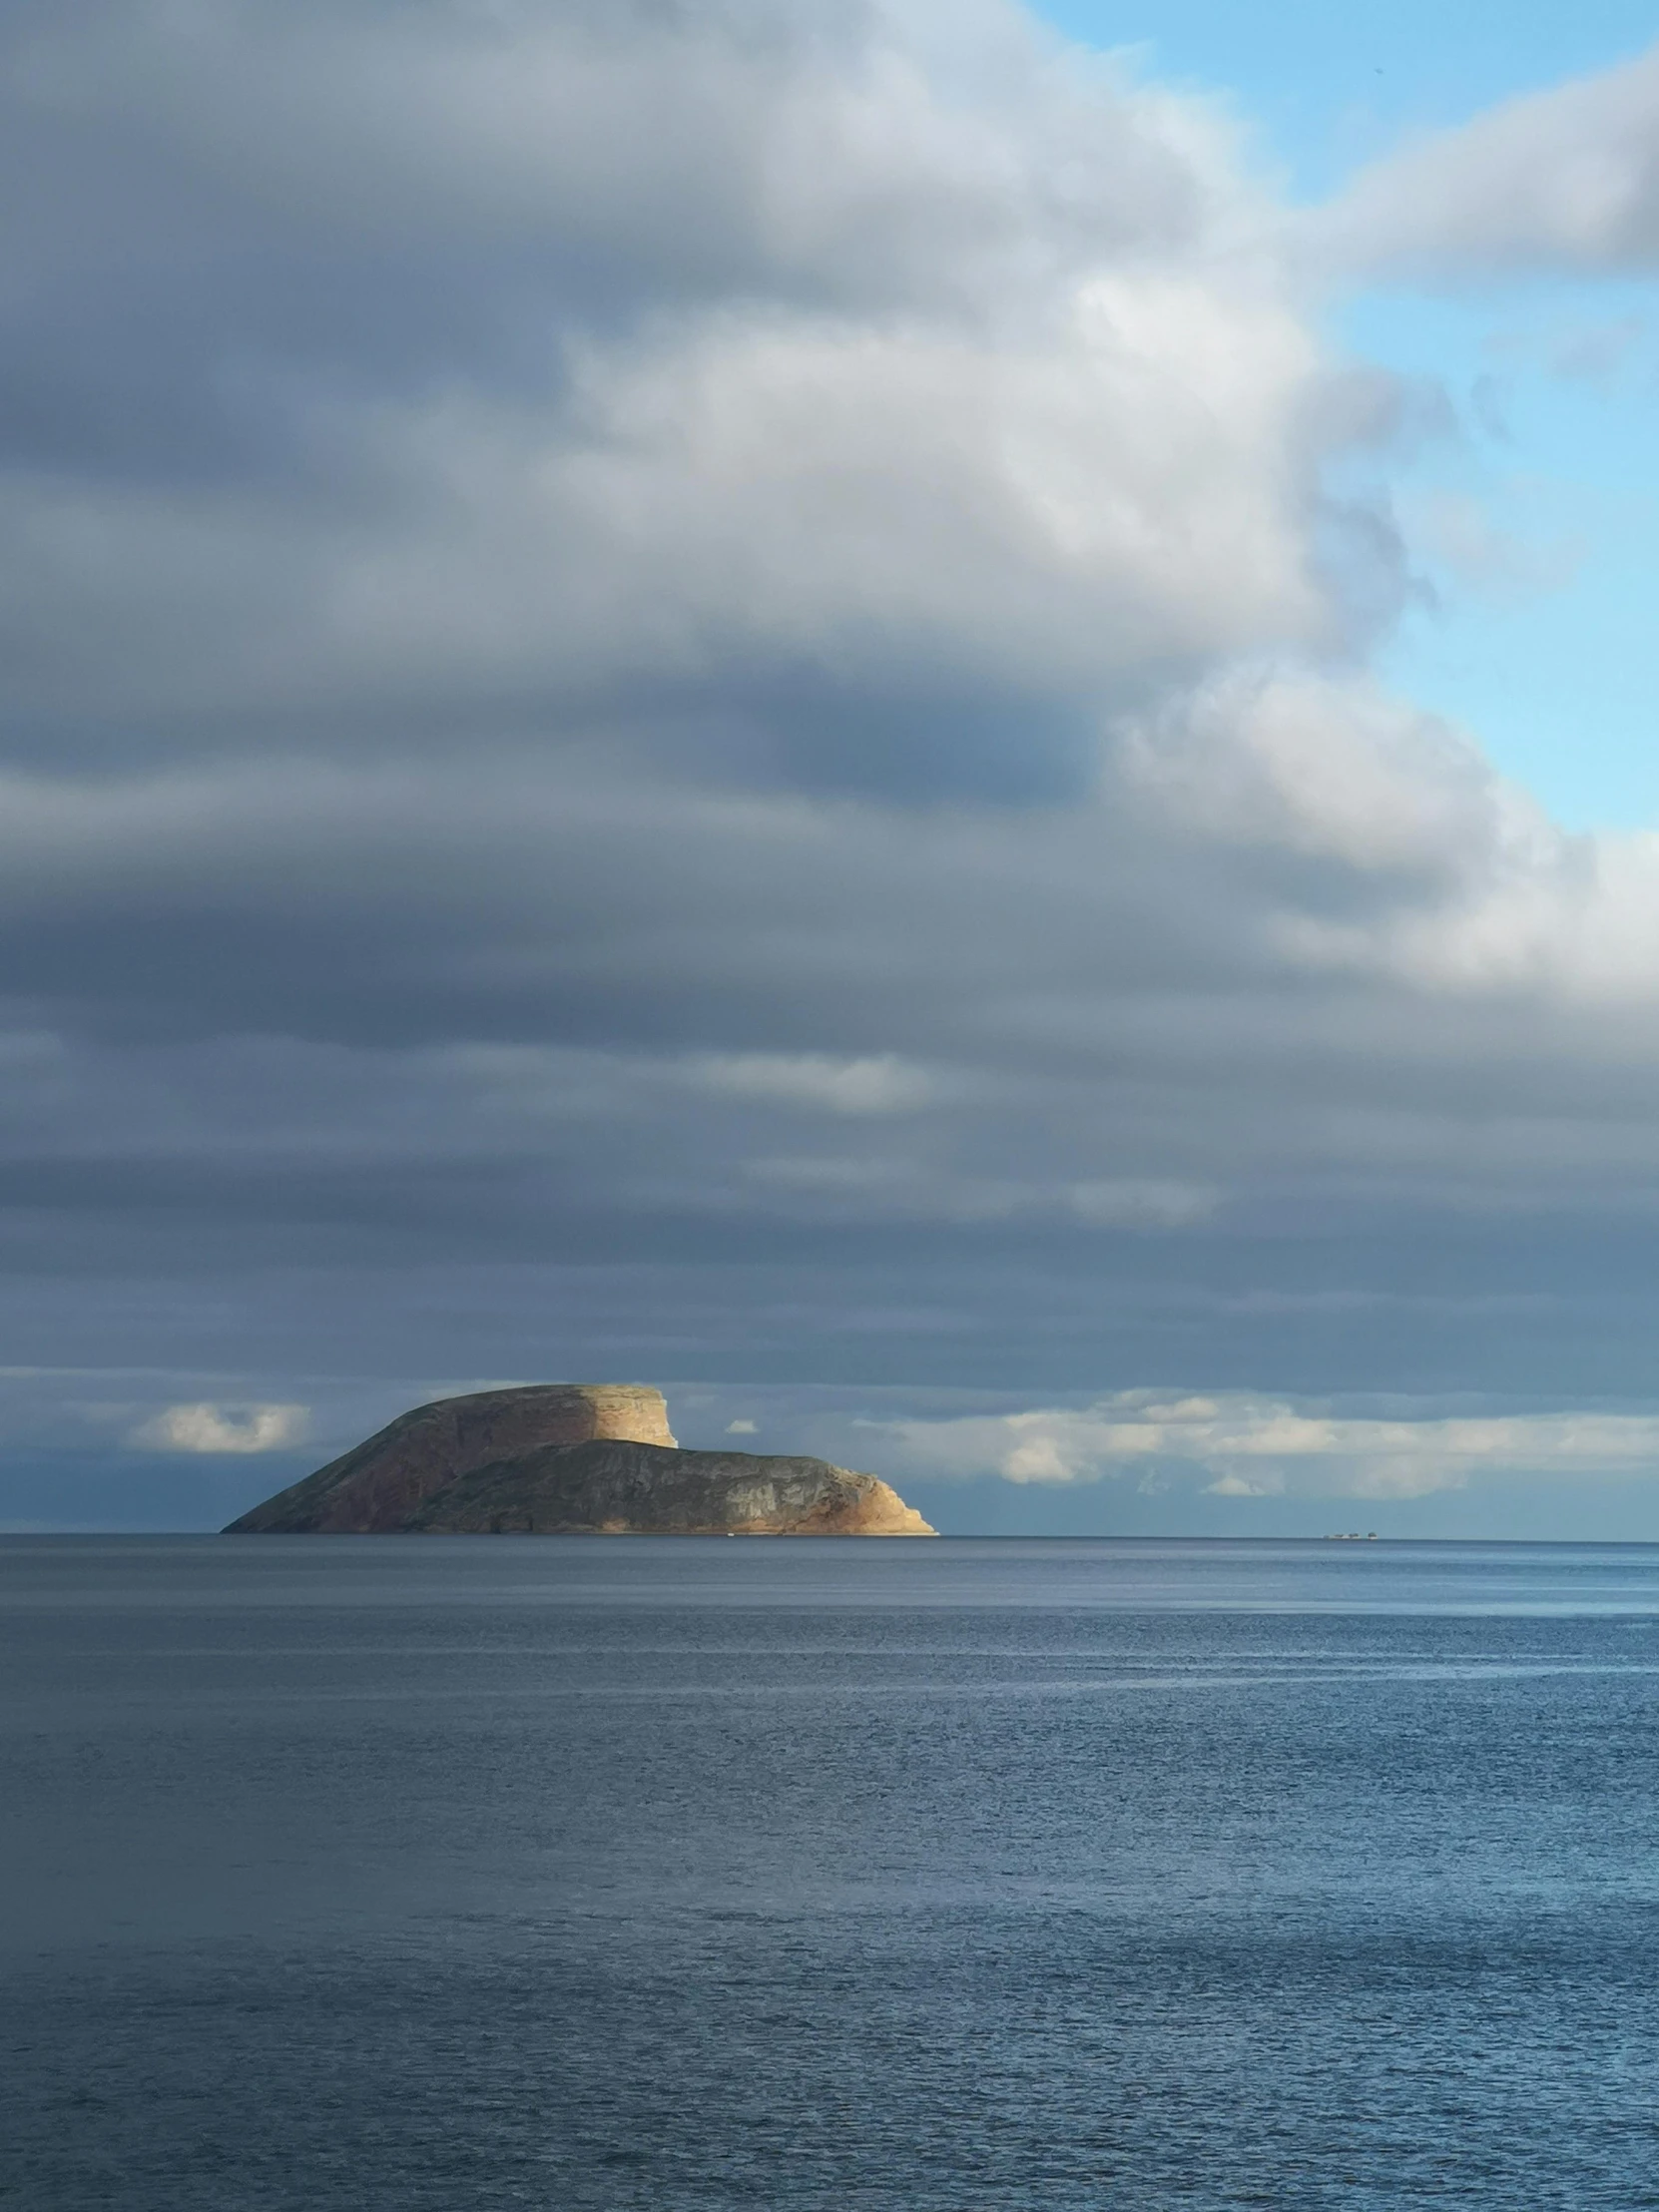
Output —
<point x="742" y="1429"/>
<point x="871" y="343"/>
<point x="1457" y="882"/>
<point x="1335" y="769"/>
<point x="1566" y="177"/>
<point x="1264" y="1448"/>
<point x="817" y="1081"/>
<point x="208" y="1427"/>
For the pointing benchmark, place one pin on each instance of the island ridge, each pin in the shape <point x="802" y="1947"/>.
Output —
<point x="571" y="1458"/>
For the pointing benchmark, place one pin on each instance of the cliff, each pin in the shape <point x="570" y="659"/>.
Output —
<point x="571" y="1459"/>
<point x="381" y="1483"/>
<point x="623" y="1489"/>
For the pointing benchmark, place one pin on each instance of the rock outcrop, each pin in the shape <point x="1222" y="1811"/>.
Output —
<point x="380" y="1483"/>
<point x="571" y="1459"/>
<point x="627" y="1490"/>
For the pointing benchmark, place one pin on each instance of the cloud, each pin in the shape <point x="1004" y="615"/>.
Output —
<point x="779" y="348"/>
<point x="686" y="693"/>
<point x="742" y="1428"/>
<point x="224" y="1429"/>
<point x="1336" y="769"/>
<point x="1565" y="179"/>
<point x="1263" y="1447"/>
<point x="816" y="1080"/>
<point x="1114" y="1202"/>
<point x="1235" y="1486"/>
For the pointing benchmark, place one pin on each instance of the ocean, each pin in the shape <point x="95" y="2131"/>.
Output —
<point x="635" y="1875"/>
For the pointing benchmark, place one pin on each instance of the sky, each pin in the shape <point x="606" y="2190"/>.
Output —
<point x="933" y="722"/>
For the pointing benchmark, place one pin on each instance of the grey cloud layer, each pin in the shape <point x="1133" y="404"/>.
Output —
<point x="413" y="361"/>
<point x="684" y="686"/>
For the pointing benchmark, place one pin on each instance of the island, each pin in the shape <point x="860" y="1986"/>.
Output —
<point x="570" y="1460"/>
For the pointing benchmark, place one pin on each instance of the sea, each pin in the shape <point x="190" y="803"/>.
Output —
<point x="639" y="1876"/>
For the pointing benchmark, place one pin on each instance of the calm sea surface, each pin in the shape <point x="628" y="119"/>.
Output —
<point x="384" y="1875"/>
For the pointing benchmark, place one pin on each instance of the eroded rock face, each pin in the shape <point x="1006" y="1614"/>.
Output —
<point x="378" y="1484"/>
<point x="571" y="1459"/>
<point x="622" y="1490"/>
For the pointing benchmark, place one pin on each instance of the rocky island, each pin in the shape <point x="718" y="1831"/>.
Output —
<point x="569" y="1460"/>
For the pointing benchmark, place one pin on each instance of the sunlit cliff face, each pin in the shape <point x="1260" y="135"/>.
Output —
<point x="567" y="1460"/>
